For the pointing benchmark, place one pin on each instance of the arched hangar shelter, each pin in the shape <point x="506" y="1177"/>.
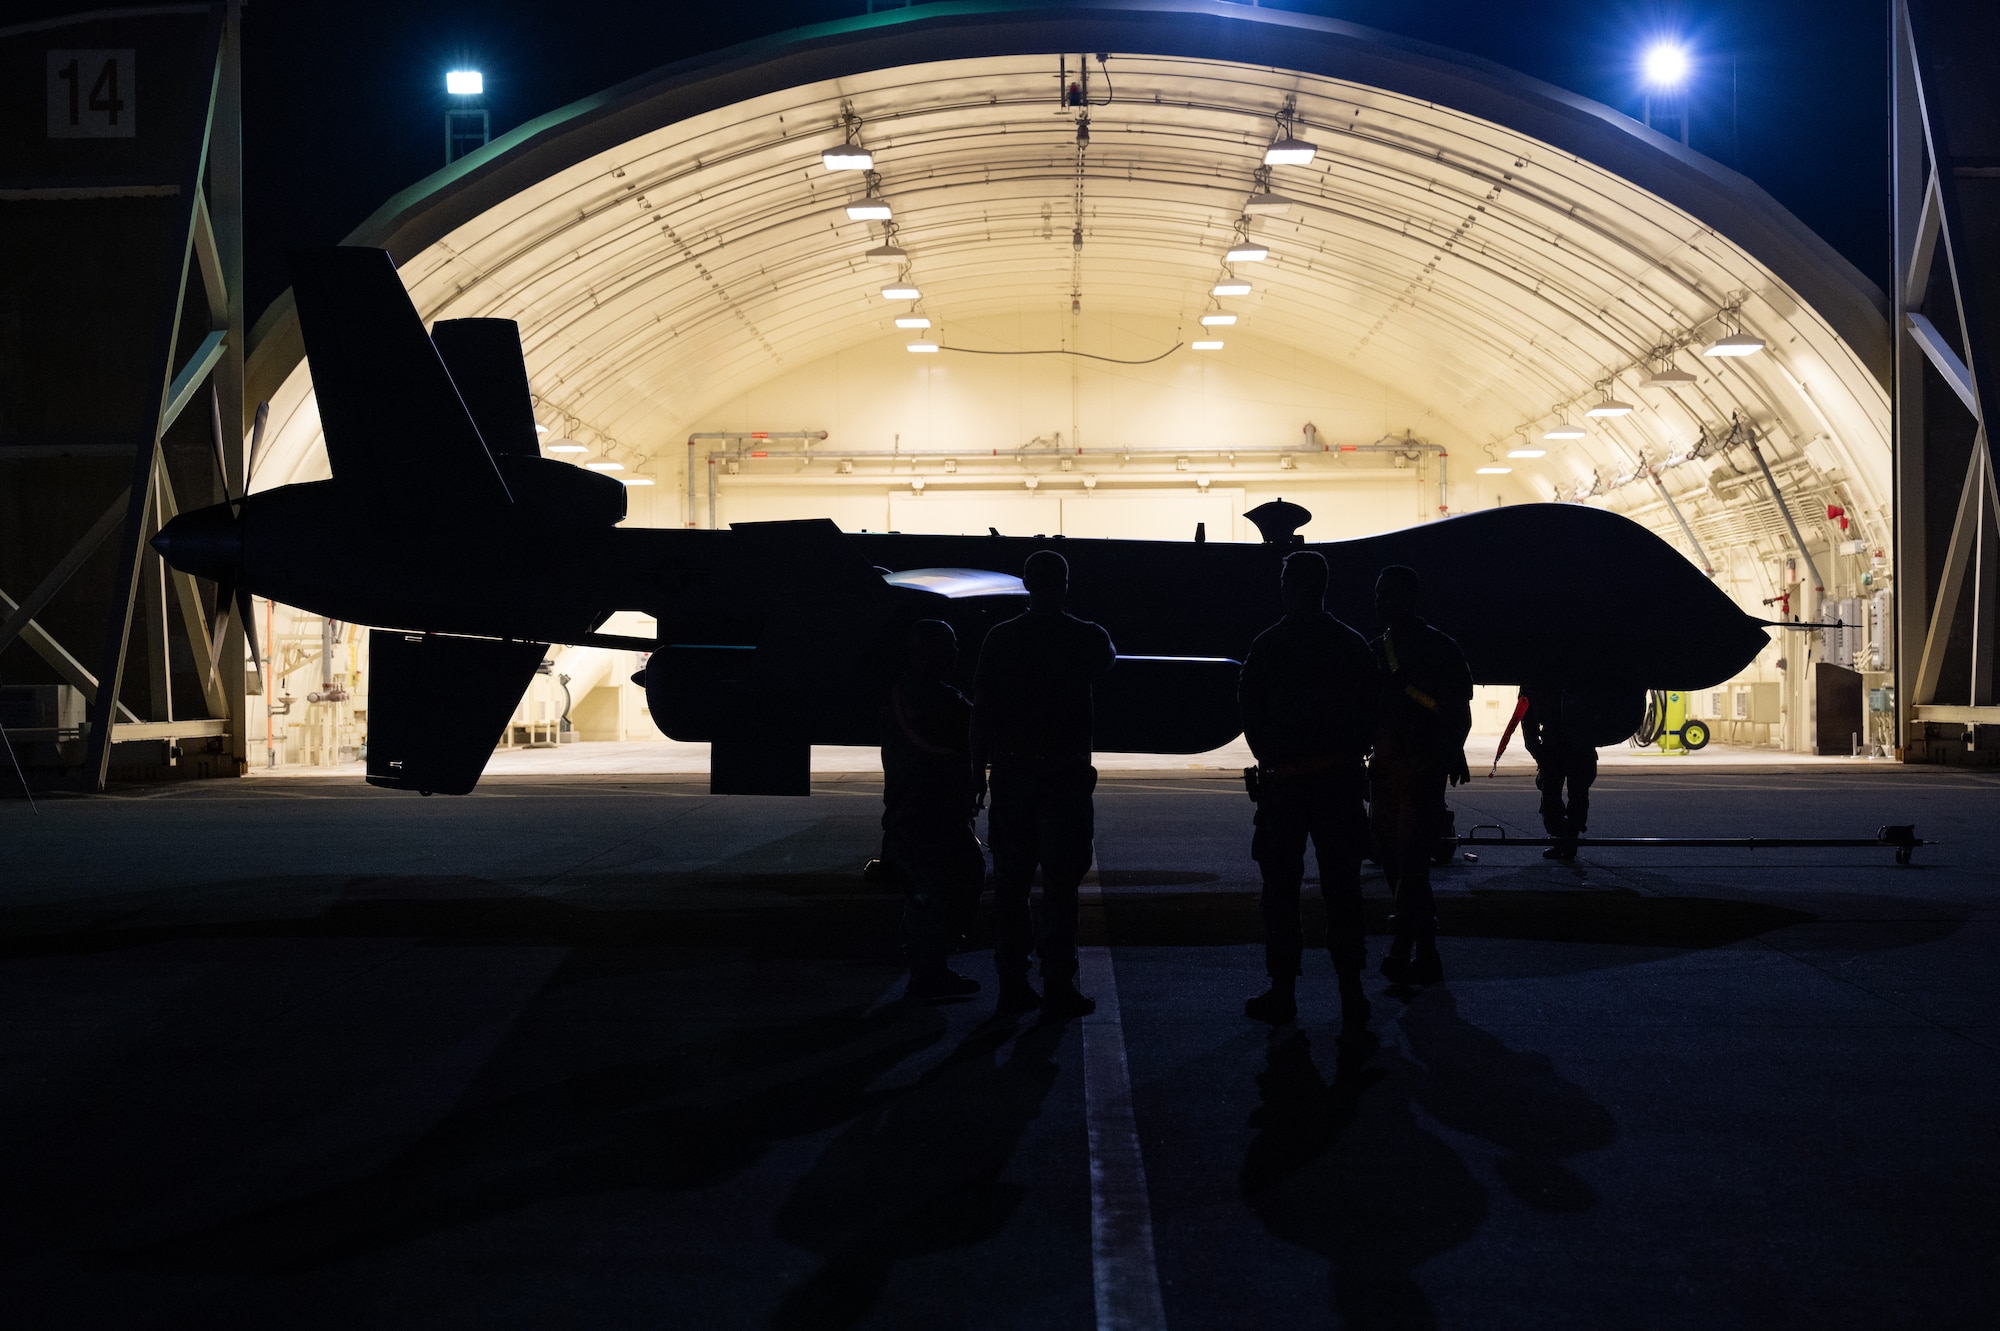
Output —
<point x="1175" y="258"/>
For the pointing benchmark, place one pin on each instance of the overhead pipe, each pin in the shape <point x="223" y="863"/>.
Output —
<point x="738" y="436"/>
<point x="1785" y="511"/>
<point x="1701" y="555"/>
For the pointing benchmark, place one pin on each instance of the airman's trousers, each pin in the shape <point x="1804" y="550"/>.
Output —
<point x="1405" y="802"/>
<point x="1041" y="814"/>
<point x="1325" y="808"/>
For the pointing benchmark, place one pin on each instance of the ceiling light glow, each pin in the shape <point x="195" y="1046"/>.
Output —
<point x="605" y="464"/>
<point x="1563" y="431"/>
<point x="849" y="157"/>
<point x="901" y="293"/>
<point x="869" y="210"/>
<point x="635" y="480"/>
<point x="1230" y="289"/>
<point x="1611" y="406"/>
<point x="1495" y="471"/>
<point x="564" y="446"/>
<point x="1289" y="151"/>
<point x="1206" y="344"/>
<point x="1527" y="452"/>
<point x="913" y="321"/>
<point x="1247" y="254"/>
<point x="1736" y="344"/>
<point x="1217" y="320"/>
<point x="924" y="345"/>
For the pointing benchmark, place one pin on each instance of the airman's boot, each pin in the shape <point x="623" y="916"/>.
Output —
<point x="1276" y="1006"/>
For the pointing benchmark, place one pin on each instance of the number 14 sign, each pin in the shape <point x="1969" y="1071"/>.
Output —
<point x="91" y="95"/>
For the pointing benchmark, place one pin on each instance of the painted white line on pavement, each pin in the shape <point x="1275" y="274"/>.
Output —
<point x="1123" y="1267"/>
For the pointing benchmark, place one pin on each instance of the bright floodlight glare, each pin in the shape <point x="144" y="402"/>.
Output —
<point x="923" y="346"/>
<point x="464" y="82"/>
<point x="1217" y="320"/>
<point x="1206" y="344"/>
<point x="1230" y="289"/>
<point x="1494" y="471"/>
<point x="1666" y="64"/>
<point x="849" y="158"/>
<point x="1247" y="254"/>
<point x="1527" y="452"/>
<point x="901" y="293"/>
<point x="913" y="321"/>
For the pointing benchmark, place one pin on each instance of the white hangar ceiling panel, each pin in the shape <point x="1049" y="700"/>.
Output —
<point x="1495" y="248"/>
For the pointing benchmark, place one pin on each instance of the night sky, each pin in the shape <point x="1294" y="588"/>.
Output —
<point x="344" y="102"/>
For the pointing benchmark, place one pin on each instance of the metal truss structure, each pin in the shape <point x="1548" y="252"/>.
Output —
<point x="1946" y="171"/>
<point x="121" y="344"/>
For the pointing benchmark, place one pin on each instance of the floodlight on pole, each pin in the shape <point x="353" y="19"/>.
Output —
<point x="1666" y="65"/>
<point x="466" y="127"/>
<point x="464" y="82"/>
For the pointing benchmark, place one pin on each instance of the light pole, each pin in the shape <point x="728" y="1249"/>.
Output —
<point x="1665" y="66"/>
<point x="466" y="127"/>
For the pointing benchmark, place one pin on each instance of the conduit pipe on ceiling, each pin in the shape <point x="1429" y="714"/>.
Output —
<point x="736" y="436"/>
<point x="1700" y="555"/>
<point x="1811" y="611"/>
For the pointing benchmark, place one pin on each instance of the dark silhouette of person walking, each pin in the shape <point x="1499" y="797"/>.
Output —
<point x="1031" y="722"/>
<point x="1309" y="693"/>
<point x="928" y="809"/>
<point x="1420" y="735"/>
<point x="1556" y="729"/>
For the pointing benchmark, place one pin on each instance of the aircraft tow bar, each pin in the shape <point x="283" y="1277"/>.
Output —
<point x="1902" y="836"/>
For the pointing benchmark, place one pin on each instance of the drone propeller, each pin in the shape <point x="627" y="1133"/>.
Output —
<point x="231" y="596"/>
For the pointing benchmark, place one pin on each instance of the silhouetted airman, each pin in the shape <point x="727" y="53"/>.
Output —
<point x="1556" y="729"/>
<point x="1309" y="692"/>
<point x="928" y="808"/>
<point x="1419" y="746"/>
<point x="1031" y="721"/>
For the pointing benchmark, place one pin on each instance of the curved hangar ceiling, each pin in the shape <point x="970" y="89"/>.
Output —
<point x="1507" y="253"/>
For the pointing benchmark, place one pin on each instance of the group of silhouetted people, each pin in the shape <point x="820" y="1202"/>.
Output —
<point x="1355" y="743"/>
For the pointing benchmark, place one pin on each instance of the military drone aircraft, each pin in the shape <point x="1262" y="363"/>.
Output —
<point x="445" y="529"/>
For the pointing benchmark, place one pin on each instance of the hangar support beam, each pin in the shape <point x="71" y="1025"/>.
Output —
<point x="128" y="200"/>
<point x="1947" y="203"/>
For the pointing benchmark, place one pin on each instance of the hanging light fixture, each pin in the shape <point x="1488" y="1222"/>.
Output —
<point x="1230" y="288"/>
<point x="1286" y="149"/>
<point x="635" y="480"/>
<point x="912" y="321"/>
<point x="922" y="345"/>
<point x="1206" y="344"/>
<point x="901" y="291"/>
<point x="1245" y="252"/>
<point x="1666" y="374"/>
<point x="1562" y="429"/>
<point x="1527" y="452"/>
<point x="564" y="446"/>
<point x="1734" y="341"/>
<point x="1610" y="406"/>
<point x="1217" y="320"/>
<point x="871" y="206"/>
<point x="850" y="155"/>
<point x="1493" y="471"/>
<point x="604" y="464"/>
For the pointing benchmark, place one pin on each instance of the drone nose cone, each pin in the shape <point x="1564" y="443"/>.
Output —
<point x="207" y="542"/>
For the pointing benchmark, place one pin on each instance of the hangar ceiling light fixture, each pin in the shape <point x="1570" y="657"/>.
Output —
<point x="1493" y="471"/>
<point x="1610" y="406"/>
<point x="564" y="446"/>
<point x="1230" y="289"/>
<point x="1217" y="320"/>
<point x="1563" y="430"/>
<point x="1527" y="452"/>
<point x="850" y="156"/>
<point x="1206" y="344"/>
<point x="1288" y="149"/>
<point x="901" y="292"/>
<point x="871" y="207"/>
<point x="1734" y="341"/>
<point x="1244" y="252"/>
<point x="604" y="464"/>
<point x="922" y="345"/>
<point x="912" y="321"/>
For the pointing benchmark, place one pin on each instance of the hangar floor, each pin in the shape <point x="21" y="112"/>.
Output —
<point x="607" y="1052"/>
